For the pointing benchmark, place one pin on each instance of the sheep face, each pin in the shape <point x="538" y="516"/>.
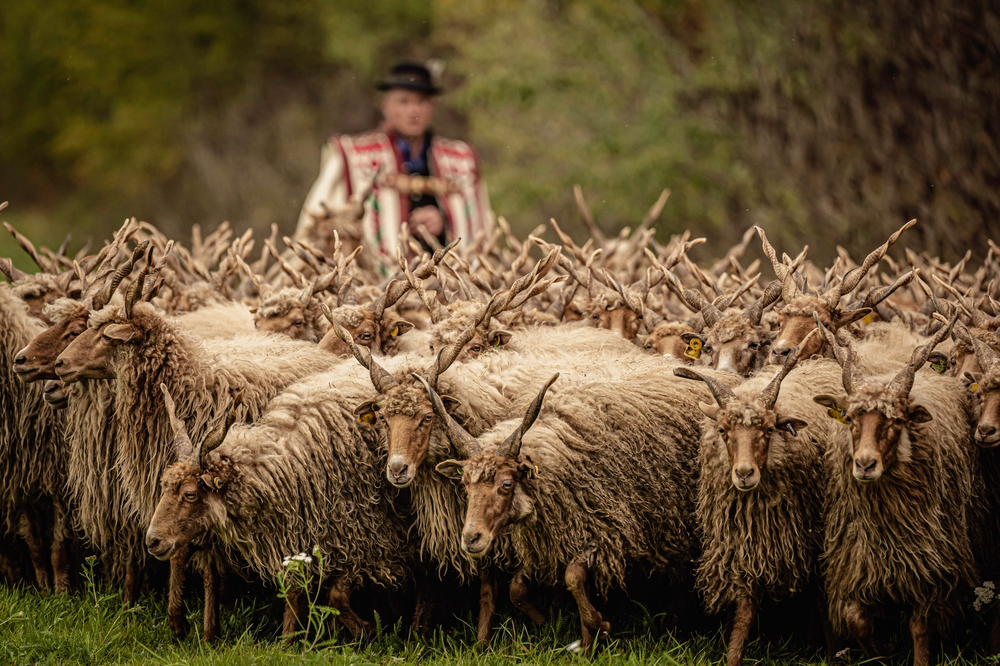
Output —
<point x="56" y="393"/>
<point x="190" y="505"/>
<point x="619" y="320"/>
<point x="880" y="429"/>
<point x="747" y="429"/>
<point x="37" y="361"/>
<point x="366" y="330"/>
<point x="89" y="355"/>
<point x="407" y="418"/>
<point x="477" y="346"/>
<point x="963" y="358"/>
<point x="499" y="491"/>
<point x="988" y="390"/>
<point x="796" y="319"/>
<point x="736" y="345"/>
<point x="674" y="340"/>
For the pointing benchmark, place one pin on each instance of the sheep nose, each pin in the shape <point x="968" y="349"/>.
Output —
<point x="865" y="466"/>
<point x="60" y="363"/>
<point x="780" y="353"/>
<point x="744" y="472"/>
<point x="473" y="541"/>
<point x="152" y="543"/>
<point x="398" y="469"/>
<point x="985" y="431"/>
<point x="20" y="359"/>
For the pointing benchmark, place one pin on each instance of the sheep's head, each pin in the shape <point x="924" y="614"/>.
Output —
<point x="612" y="314"/>
<point x="984" y="385"/>
<point x="880" y="416"/>
<point x="192" y="489"/>
<point x="40" y="290"/>
<point x="91" y="353"/>
<point x="367" y="328"/>
<point x="37" y="361"/>
<point x="284" y="312"/>
<point x="749" y="424"/>
<point x="56" y="393"/>
<point x="497" y="478"/>
<point x="487" y="336"/>
<point x="674" y="340"/>
<point x="796" y="319"/>
<point x="736" y="343"/>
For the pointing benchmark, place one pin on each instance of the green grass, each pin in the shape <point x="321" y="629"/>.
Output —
<point x="91" y="627"/>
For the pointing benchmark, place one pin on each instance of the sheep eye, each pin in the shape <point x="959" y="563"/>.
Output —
<point x="190" y="497"/>
<point x="298" y="322"/>
<point x="365" y="336"/>
<point x="754" y="345"/>
<point x="648" y="346"/>
<point x="707" y="349"/>
<point x="722" y="431"/>
<point x="428" y="418"/>
<point x="507" y="484"/>
<point x="595" y="316"/>
<point x="770" y="431"/>
<point x="475" y="349"/>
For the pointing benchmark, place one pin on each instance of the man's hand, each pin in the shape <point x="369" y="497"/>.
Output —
<point x="431" y="219"/>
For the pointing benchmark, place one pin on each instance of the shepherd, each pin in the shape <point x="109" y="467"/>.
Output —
<point x="415" y="177"/>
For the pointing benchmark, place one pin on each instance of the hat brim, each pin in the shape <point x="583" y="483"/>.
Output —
<point x="416" y="86"/>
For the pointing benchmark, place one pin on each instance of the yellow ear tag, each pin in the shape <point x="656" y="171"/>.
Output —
<point x="395" y="331"/>
<point x="940" y="366"/>
<point x="367" y="417"/>
<point x="217" y="482"/>
<point x="694" y="349"/>
<point x="837" y="414"/>
<point x="975" y="387"/>
<point x="867" y="319"/>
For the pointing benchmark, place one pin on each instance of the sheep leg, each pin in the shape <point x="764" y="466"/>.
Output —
<point x="133" y="581"/>
<point x="487" y="604"/>
<point x="746" y="611"/>
<point x="340" y="598"/>
<point x="921" y="633"/>
<point x="175" y="593"/>
<point x="519" y="590"/>
<point x="861" y="628"/>
<point x="59" y="555"/>
<point x="427" y="594"/>
<point x="294" y="609"/>
<point x="210" y="628"/>
<point x="28" y="530"/>
<point x="592" y="625"/>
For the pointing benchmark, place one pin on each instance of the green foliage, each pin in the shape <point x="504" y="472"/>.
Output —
<point x="831" y="119"/>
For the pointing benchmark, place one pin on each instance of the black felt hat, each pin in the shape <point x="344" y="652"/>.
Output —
<point x="411" y="76"/>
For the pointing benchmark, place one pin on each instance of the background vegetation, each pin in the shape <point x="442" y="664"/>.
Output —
<point x="825" y="121"/>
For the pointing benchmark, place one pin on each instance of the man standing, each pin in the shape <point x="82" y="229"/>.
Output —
<point x="416" y="177"/>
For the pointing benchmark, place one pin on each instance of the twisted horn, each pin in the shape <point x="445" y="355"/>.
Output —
<point x="723" y="395"/>
<point x="756" y="310"/>
<point x="511" y="447"/>
<point x="182" y="442"/>
<point x="853" y="277"/>
<point x="104" y="296"/>
<point x="903" y="382"/>
<point x="218" y="435"/>
<point x="988" y="358"/>
<point x="769" y="395"/>
<point x="844" y="356"/>
<point x="465" y="444"/>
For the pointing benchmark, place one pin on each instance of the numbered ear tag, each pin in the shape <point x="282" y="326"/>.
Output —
<point x="940" y="366"/>
<point x="837" y="414"/>
<point x="694" y="349"/>
<point x="367" y="417"/>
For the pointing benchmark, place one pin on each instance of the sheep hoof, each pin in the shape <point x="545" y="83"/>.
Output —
<point x="180" y="626"/>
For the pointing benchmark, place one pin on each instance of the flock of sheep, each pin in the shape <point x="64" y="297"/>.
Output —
<point x="471" y="415"/>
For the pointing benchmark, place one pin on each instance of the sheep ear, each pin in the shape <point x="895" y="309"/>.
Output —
<point x="971" y="380"/>
<point x="828" y="401"/>
<point x="498" y="338"/>
<point x="450" y="404"/>
<point x="529" y="471"/>
<point x="849" y="317"/>
<point x="119" y="332"/>
<point x="213" y="482"/>
<point x="918" y="414"/>
<point x="451" y="468"/>
<point x="791" y="426"/>
<point x="711" y="411"/>
<point x="366" y="412"/>
<point x="688" y="337"/>
<point x="399" y="328"/>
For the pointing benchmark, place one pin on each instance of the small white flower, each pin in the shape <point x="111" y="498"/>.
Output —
<point x="316" y="551"/>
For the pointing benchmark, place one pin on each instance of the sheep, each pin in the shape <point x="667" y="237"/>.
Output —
<point x="140" y="348"/>
<point x="601" y="484"/>
<point x="897" y="494"/>
<point x="33" y="501"/>
<point x="760" y="488"/>
<point x="303" y="475"/>
<point x="796" y="316"/>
